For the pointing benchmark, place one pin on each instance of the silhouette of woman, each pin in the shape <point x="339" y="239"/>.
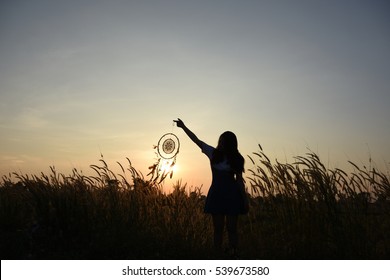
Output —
<point x="226" y="198"/>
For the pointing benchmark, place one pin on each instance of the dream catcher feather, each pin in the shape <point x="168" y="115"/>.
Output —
<point x="167" y="150"/>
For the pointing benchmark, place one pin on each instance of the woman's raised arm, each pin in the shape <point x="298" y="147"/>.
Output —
<point x="189" y="133"/>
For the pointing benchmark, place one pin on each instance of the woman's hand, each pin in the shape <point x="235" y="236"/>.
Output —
<point x="179" y="123"/>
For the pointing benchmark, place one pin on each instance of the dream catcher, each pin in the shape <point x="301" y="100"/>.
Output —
<point x="166" y="151"/>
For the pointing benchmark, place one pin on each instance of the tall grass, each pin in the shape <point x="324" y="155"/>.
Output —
<point x="300" y="210"/>
<point x="102" y="216"/>
<point x="305" y="210"/>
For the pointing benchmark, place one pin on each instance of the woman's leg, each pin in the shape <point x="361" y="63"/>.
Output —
<point x="231" y="223"/>
<point x="218" y="223"/>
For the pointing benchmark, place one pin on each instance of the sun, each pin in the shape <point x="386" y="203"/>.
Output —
<point x="167" y="167"/>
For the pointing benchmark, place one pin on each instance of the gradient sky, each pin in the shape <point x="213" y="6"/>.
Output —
<point x="82" y="77"/>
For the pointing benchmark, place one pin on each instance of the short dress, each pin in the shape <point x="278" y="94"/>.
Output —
<point x="224" y="196"/>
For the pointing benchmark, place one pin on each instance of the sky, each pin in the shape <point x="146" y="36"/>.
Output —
<point x="83" y="78"/>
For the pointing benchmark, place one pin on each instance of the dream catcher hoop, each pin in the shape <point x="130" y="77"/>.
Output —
<point x="166" y="150"/>
<point x="168" y="146"/>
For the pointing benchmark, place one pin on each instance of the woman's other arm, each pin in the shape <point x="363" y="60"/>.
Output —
<point x="244" y="195"/>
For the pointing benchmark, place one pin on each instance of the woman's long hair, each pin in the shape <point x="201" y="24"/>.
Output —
<point x="228" y="148"/>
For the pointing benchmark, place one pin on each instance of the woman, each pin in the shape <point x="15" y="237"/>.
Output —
<point x="226" y="198"/>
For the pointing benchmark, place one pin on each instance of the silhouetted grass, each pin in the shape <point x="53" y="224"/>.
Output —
<point x="300" y="210"/>
<point x="305" y="211"/>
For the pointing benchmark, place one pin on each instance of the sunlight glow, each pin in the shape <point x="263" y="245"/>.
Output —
<point x="168" y="166"/>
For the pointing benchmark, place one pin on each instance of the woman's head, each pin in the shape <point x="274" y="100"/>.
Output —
<point x="228" y="148"/>
<point x="227" y="142"/>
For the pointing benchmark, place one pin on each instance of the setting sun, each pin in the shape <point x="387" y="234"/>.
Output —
<point x="168" y="167"/>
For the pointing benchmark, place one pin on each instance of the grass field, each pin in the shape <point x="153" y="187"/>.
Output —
<point x="300" y="210"/>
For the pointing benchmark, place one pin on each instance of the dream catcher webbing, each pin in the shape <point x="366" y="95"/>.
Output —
<point x="168" y="146"/>
<point x="167" y="150"/>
